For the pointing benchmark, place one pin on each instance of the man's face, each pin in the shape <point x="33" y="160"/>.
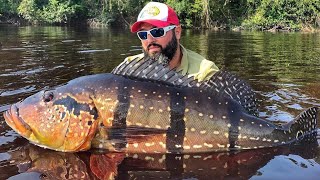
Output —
<point x="167" y="45"/>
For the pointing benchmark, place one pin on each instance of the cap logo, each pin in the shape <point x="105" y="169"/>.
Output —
<point x="150" y="12"/>
<point x="156" y="14"/>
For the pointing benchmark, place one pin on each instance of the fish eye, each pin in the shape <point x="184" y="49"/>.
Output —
<point x="48" y="96"/>
<point x="43" y="176"/>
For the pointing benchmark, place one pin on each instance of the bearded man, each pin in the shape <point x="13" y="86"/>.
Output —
<point x="159" y="30"/>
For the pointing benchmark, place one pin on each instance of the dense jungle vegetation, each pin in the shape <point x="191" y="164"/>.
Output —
<point x="288" y="15"/>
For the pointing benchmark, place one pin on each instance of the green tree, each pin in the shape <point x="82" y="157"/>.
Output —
<point x="257" y="14"/>
<point x="292" y="14"/>
<point x="9" y="7"/>
<point x="47" y="11"/>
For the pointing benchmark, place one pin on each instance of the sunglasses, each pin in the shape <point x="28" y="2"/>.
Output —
<point x="155" y="32"/>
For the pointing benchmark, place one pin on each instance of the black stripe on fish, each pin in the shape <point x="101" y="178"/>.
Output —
<point x="235" y="112"/>
<point x="221" y="83"/>
<point x="73" y="106"/>
<point x="121" y="110"/>
<point x="120" y="115"/>
<point x="176" y="131"/>
<point x="174" y="164"/>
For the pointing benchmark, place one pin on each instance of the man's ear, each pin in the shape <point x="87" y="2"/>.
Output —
<point x="178" y="30"/>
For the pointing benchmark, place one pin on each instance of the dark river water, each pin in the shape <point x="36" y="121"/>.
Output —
<point x="283" y="68"/>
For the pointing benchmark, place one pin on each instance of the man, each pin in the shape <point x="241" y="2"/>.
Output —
<point x="159" y="30"/>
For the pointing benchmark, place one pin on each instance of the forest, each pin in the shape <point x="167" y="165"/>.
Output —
<point x="286" y="15"/>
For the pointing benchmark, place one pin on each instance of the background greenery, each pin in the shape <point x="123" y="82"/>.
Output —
<point x="224" y="14"/>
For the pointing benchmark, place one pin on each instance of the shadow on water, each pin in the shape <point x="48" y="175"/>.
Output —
<point x="283" y="68"/>
<point x="276" y="163"/>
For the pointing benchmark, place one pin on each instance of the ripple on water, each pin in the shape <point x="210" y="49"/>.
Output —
<point x="287" y="101"/>
<point x="70" y="41"/>
<point x="22" y="72"/>
<point x="289" y="167"/>
<point x="22" y="90"/>
<point x="93" y="50"/>
<point x="8" y="137"/>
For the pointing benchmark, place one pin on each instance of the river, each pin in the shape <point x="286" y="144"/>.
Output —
<point x="283" y="69"/>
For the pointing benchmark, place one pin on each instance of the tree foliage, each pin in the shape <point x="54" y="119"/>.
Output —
<point x="285" y="13"/>
<point x="260" y="14"/>
<point x="9" y="7"/>
<point x="47" y="11"/>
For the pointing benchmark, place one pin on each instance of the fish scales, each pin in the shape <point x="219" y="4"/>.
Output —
<point x="122" y="114"/>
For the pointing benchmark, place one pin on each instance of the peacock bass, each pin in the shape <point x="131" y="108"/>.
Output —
<point x="118" y="113"/>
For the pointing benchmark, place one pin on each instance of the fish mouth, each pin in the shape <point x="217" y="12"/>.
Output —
<point x="14" y="120"/>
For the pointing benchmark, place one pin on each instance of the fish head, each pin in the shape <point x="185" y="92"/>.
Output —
<point x="61" y="119"/>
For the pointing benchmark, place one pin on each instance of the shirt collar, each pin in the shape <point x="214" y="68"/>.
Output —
<point x="184" y="65"/>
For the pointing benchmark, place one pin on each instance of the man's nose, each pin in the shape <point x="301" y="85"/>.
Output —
<point x="150" y="38"/>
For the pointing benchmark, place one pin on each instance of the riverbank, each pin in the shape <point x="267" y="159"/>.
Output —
<point x="95" y="23"/>
<point x="262" y="15"/>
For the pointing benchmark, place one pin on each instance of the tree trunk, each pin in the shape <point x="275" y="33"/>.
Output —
<point x="206" y="14"/>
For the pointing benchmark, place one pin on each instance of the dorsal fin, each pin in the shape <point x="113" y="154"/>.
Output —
<point x="231" y="85"/>
<point x="222" y="83"/>
<point x="149" y="68"/>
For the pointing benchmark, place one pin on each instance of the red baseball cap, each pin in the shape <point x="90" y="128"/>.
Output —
<point x="157" y="14"/>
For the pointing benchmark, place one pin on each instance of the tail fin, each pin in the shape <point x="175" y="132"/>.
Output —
<point x="305" y="125"/>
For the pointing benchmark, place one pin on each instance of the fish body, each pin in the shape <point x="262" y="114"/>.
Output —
<point x="116" y="113"/>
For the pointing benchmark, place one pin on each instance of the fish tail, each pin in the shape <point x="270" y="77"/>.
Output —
<point x="305" y="125"/>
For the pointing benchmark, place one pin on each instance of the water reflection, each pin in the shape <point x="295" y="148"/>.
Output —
<point x="255" y="164"/>
<point x="283" y="68"/>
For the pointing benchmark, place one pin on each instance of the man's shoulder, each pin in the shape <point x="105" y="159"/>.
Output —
<point x="200" y="67"/>
<point x="194" y="56"/>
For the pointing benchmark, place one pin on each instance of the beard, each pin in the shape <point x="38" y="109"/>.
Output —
<point x="166" y="54"/>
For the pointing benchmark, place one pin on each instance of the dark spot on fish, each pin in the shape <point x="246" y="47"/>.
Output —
<point x="73" y="106"/>
<point x="89" y="123"/>
<point x="42" y="176"/>
<point x="101" y="124"/>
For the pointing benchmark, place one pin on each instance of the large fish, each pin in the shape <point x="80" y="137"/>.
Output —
<point x="117" y="113"/>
